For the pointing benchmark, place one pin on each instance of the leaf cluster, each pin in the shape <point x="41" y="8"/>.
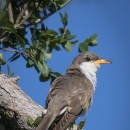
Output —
<point x="43" y="41"/>
<point x="91" y="41"/>
<point x="33" y="123"/>
<point x="79" y="126"/>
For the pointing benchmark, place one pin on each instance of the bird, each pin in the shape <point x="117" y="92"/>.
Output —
<point x="72" y="94"/>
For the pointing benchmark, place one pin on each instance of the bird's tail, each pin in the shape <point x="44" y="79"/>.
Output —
<point x="46" y="121"/>
<point x="63" y="124"/>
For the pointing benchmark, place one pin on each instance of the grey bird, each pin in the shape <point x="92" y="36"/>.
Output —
<point x="72" y="93"/>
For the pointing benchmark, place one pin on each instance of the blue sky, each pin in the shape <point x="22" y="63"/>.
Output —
<point x="111" y="21"/>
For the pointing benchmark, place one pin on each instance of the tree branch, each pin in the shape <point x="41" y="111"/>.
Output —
<point x="29" y="15"/>
<point x="10" y="12"/>
<point x="65" y="29"/>
<point x="16" y="106"/>
<point x="4" y="36"/>
<point x="12" y="50"/>
<point x="49" y="14"/>
<point x="22" y="13"/>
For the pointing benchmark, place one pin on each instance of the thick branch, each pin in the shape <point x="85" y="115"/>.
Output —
<point x="10" y="13"/>
<point x="16" y="106"/>
<point x="49" y="14"/>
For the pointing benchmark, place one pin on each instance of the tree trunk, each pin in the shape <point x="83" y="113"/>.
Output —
<point x="16" y="106"/>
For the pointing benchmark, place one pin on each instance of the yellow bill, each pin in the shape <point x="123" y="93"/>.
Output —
<point x="103" y="61"/>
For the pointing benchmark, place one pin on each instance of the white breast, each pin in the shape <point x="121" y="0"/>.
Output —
<point x="89" y="69"/>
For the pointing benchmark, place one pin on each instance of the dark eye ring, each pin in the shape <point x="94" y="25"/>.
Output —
<point x="88" y="58"/>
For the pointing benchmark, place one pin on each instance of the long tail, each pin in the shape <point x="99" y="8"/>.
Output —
<point x="46" y="121"/>
<point x="63" y="124"/>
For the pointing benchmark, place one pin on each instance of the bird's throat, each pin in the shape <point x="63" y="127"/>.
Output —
<point x="89" y="69"/>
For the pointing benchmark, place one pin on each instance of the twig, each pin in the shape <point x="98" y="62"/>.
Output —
<point x="65" y="29"/>
<point x="20" y="52"/>
<point x="10" y="13"/>
<point x="4" y="36"/>
<point x="3" y="39"/>
<point x="25" y="19"/>
<point x="22" y="13"/>
<point x="49" y="14"/>
<point x="29" y="14"/>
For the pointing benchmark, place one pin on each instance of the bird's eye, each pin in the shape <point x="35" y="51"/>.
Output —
<point x="87" y="58"/>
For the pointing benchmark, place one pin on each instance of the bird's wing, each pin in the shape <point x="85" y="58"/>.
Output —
<point x="80" y="93"/>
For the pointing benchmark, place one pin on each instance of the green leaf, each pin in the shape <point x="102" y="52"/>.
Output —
<point x="28" y="65"/>
<point x="67" y="32"/>
<point x="43" y="68"/>
<point x="71" y="125"/>
<point x="9" y="25"/>
<point x="31" y="63"/>
<point x="3" y="17"/>
<point x="1" y="56"/>
<point x="15" y="58"/>
<point x="74" y="42"/>
<point x="51" y="32"/>
<point x="93" y="43"/>
<point x="70" y="37"/>
<point x="61" y="16"/>
<point x="3" y="62"/>
<point x="8" y="69"/>
<point x="20" y="40"/>
<point x="12" y="74"/>
<point x="24" y="57"/>
<point x="43" y="26"/>
<point x="94" y="36"/>
<point x="12" y="30"/>
<point x="43" y="79"/>
<point x="46" y="69"/>
<point x="66" y="16"/>
<point x="47" y="55"/>
<point x="15" y="54"/>
<point x="83" y="47"/>
<point x="81" y="124"/>
<point x="30" y="121"/>
<point x="37" y="121"/>
<point x="52" y="7"/>
<point x="56" y="73"/>
<point x="63" y="40"/>
<point x="61" y="30"/>
<point x="52" y="78"/>
<point x="63" y="19"/>
<point x="67" y="46"/>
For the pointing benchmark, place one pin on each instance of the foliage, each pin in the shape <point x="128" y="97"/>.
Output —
<point x="3" y="62"/>
<point x="9" y="74"/>
<point x="23" y="14"/>
<point x="33" y="123"/>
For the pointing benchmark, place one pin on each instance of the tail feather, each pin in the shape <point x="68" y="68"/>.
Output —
<point x="46" y="121"/>
<point x="63" y="124"/>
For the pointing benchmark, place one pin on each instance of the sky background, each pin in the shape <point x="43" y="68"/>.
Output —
<point x="110" y="19"/>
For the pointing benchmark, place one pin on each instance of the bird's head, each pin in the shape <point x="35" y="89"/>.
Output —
<point x="90" y="59"/>
<point x="89" y="63"/>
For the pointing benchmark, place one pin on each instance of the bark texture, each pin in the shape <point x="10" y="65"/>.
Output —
<point x="15" y="105"/>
